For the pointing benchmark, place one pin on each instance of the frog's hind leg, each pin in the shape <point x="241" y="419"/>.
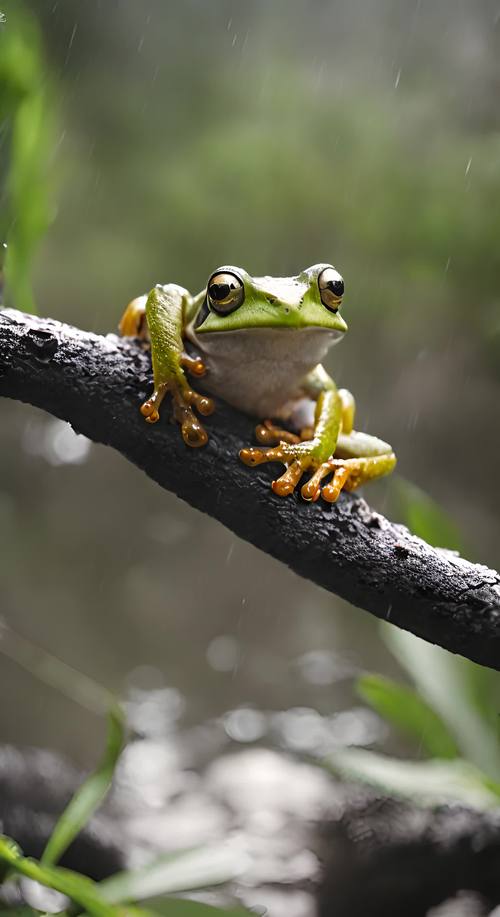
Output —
<point x="358" y="458"/>
<point x="133" y="321"/>
<point x="348" y="409"/>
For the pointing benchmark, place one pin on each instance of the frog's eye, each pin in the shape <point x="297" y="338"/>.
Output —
<point x="225" y="292"/>
<point x="331" y="288"/>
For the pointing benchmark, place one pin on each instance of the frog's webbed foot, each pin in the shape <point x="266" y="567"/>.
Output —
<point x="343" y="478"/>
<point x="297" y="461"/>
<point x="333" y="449"/>
<point x="293" y="455"/>
<point x="299" y="453"/>
<point x="183" y="398"/>
<point x="346" y="473"/>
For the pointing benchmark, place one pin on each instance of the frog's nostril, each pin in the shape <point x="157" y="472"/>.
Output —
<point x="271" y="300"/>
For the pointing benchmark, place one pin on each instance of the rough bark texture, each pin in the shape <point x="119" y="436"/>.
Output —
<point x="97" y="383"/>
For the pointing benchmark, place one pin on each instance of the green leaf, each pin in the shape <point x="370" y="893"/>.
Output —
<point x="196" y="868"/>
<point x="183" y="907"/>
<point x="450" y="685"/>
<point x="90" y="795"/>
<point x="426" y="518"/>
<point x="54" y="672"/>
<point x="78" y="888"/>
<point x="425" y="782"/>
<point x="90" y="896"/>
<point x="22" y="911"/>
<point x="409" y="712"/>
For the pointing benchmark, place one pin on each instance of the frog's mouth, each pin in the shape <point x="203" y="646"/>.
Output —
<point x="304" y="346"/>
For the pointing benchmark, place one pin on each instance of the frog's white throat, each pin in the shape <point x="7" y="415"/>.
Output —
<point x="260" y="370"/>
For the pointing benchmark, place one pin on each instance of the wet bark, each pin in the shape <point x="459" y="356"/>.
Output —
<point x="97" y="383"/>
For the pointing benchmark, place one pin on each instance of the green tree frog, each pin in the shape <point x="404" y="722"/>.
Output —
<point x="260" y="342"/>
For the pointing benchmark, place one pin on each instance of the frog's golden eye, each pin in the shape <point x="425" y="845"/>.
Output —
<point x="331" y="288"/>
<point x="225" y="292"/>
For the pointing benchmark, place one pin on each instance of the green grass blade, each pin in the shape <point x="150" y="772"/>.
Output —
<point x="183" y="907"/>
<point x="405" y="709"/>
<point x="189" y="869"/>
<point x="52" y="671"/>
<point x="450" y="685"/>
<point x="90" y="795"/>
<point x="26" y="107"/>
<point x="425" y="782"/>
<point x="79" y="888"/>
<point x="21" y="911"/>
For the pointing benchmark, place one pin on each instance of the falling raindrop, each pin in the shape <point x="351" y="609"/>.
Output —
<point x="70" y="43"/>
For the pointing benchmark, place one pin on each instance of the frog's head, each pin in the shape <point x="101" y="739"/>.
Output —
<point x="234" y="301"/>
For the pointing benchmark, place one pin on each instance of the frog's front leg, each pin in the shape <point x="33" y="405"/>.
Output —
<point x="166" y="312"/>
<point x="308" y="454"/>
<point x="358" y="457"/>
<point x="353" y="458"/>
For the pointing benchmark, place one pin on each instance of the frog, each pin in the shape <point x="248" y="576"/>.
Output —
<point x="259" y="343"/>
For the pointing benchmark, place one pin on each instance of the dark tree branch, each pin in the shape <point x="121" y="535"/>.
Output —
<point x="97" y="383"/>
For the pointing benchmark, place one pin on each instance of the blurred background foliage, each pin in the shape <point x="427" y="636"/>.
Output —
<point x="26" y="138"/>
<point x="176" y="137"/>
